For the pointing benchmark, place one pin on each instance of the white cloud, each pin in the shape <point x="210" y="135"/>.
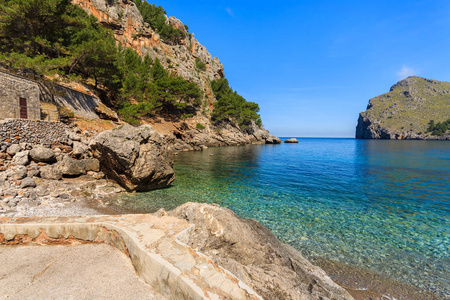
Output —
<point x="406" y="72"/>
<point x="229" y="11"/>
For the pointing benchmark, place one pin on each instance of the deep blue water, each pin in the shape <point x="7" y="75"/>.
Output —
<point x="377" y="205"/>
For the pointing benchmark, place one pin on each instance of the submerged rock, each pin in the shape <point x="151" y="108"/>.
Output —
<point x="253" y="254"/>
<point x="138" y="158"/>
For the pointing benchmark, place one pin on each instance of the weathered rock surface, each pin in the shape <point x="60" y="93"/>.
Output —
<point x="72" y="168"/>
<point x="42" y="154"/>
<point x="253" y="254"/>
<point x="228" y="134"/>
<point x="405" y="111"/>
<point x="13" y="149"/>
<point x="21" y="158"/>
<point x="291" y="141"/>
<point x="52" y="172"/>
<point x="139" y="158"/>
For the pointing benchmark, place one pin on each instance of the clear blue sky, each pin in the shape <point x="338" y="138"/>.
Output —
<point x="313" y="65"/>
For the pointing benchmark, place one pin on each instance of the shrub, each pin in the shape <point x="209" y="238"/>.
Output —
<point x="200" y="126"/>
<point x="439" y="128"/>
<point x="186" y="116"/>
<point x="200" y="65"/>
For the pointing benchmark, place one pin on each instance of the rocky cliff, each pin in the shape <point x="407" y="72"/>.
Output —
<point x="130" y="30"/>
<point x="181" y="57"/>
<point x="406" y="110"/>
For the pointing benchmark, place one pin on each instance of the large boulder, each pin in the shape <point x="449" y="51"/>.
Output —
<point x="291" y="141"/>
<point x="253" y="254"/>
<point x="138" y="158"/>
<point x="42" y="154"/>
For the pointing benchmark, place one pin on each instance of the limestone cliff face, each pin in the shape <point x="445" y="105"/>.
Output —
<point x="130" y="30"/>
<point x="124" y="18"/>
<point x="404" y="112"/>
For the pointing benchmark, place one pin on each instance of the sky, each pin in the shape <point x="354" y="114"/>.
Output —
<point x="312" y="66"/>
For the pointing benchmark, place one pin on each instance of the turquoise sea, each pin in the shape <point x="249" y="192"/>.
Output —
<point x="379" y="206"/>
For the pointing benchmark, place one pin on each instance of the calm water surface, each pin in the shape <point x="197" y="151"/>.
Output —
<point x="381" y="206"/>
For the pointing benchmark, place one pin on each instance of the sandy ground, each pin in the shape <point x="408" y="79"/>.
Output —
<point x="92" y="271"/>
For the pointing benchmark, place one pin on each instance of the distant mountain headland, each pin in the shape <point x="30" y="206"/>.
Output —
<point x="414" y="108"/>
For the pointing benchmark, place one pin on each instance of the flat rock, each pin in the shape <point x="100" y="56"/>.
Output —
<point x="52" y="172"/>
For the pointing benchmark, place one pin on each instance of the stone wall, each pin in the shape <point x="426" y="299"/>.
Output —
<point x="11" y="89"/>
<point x="14" y="131"/>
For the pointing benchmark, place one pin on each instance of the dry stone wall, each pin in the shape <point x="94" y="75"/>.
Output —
<point x="15" y="131"/>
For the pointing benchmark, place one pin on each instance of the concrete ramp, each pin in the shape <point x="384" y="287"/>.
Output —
<point x="153" y="244"/>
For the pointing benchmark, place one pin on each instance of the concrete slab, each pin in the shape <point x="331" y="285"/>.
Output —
<point x="91" y="271"/>
<point x="153" y="243"/>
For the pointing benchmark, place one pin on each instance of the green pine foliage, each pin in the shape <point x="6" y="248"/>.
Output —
<point x="200" y="65"/>
<point x="232" y="106"/>
<point x="439" y="128"/>
<point x="55" y="36"/>
<point x="148" y="88"/>
<point x="155" y="17"/>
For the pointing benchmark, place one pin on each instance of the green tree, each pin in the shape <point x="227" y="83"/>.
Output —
<point x="155" y="17"/>
<point x="232" y="106"/>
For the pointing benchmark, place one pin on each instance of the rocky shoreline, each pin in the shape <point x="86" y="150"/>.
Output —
<point x="79" y="176"/>
<point x="47" y="166"/>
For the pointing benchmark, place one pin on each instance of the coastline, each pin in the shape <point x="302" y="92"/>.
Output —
<point x="86" y="201"/>
<point x="361" y="284"/>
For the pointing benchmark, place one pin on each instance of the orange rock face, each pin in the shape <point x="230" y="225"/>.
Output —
<point x="130" y="30"/>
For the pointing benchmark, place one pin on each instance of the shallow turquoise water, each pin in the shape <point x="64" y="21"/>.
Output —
<point x="378" y="205"/>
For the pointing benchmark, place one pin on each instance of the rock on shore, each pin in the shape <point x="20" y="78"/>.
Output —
<point x="138" y="158"/>
<point x="291" y="141"/>
<point x="253" y="254"/>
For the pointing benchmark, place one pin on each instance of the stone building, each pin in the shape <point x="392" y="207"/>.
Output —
<point x="19" y="98"/>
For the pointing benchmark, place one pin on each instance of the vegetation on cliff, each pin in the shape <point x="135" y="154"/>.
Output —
<point x="155" y="16"/>
<point x="439" y="128"/>
<point x="406" y="110"/>
<point x="49" y="37"/>
<point x="54" y="36"/>
<point x="232" y="106"/>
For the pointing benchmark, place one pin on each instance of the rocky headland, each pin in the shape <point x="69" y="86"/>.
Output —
<point x="406" y="110"/>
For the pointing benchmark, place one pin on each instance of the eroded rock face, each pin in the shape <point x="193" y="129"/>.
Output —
<point x="252" y="253"/>
<point x="138" y="158"/>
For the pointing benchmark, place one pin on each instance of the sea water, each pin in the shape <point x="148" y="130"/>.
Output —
<point x="376" y="205"/>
